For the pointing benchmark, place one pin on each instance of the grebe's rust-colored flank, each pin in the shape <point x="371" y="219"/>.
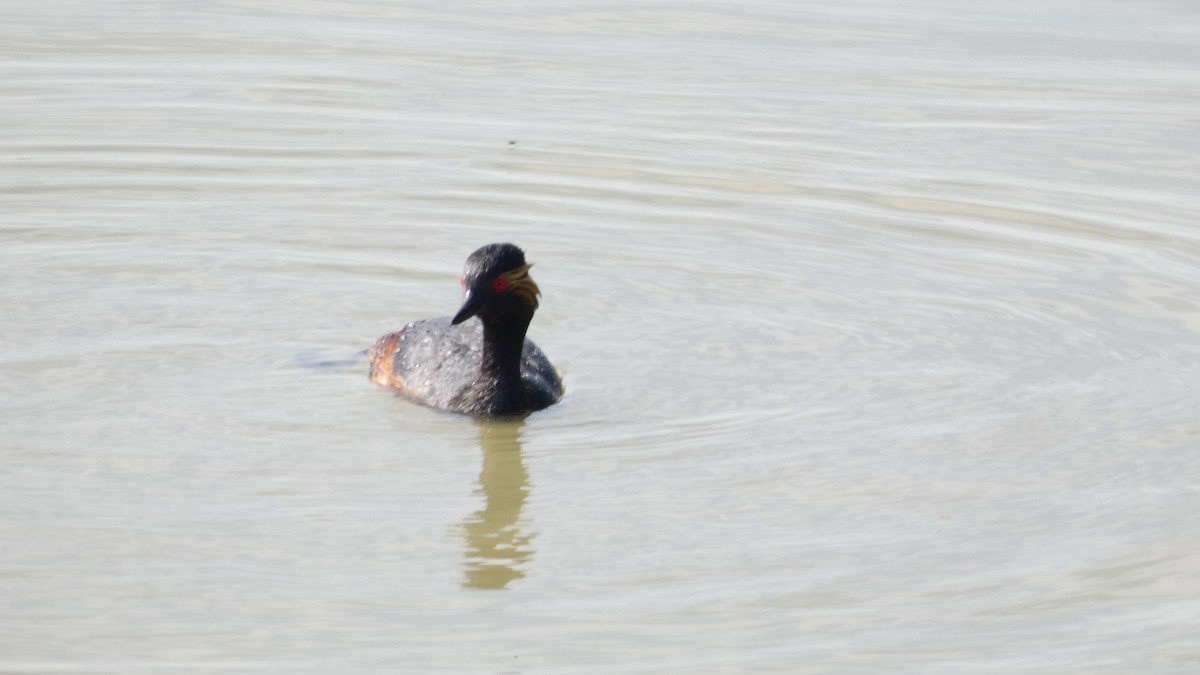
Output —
<point x="381" y="362"/>
<point x="485" y="367"/>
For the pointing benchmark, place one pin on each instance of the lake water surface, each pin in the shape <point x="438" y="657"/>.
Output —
<point x="880" y="324"/>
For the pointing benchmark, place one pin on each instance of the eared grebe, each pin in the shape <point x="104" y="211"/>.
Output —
<point x="483" y="367"/>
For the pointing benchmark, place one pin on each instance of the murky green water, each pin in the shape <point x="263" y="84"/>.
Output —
<point x="879" y="323"/>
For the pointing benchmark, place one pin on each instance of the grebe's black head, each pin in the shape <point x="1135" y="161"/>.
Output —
<point x="497" y="285"/>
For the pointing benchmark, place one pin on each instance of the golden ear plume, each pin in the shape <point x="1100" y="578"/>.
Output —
<point x="520" y="283"/>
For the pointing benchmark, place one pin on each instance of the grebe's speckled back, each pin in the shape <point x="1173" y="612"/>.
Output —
<point x="481" y="368"/>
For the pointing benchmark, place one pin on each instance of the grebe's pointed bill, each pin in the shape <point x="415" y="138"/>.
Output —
<point x="471" y="306"/>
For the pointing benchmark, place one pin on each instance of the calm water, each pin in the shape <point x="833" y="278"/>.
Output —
<point x="880" y="325"/>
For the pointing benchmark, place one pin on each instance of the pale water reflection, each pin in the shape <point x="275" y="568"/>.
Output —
<point x="498" y="541"/>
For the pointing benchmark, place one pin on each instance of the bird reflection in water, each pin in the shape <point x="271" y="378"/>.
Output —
<point x="498" y="545"/>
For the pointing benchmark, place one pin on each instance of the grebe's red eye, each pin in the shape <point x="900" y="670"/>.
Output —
<point x="500" y="284"/>
<point x="462" y="281"/>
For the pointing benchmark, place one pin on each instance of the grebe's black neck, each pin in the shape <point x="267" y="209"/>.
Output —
<point x="503" y="341"/>
<point x="499" y="388"/>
